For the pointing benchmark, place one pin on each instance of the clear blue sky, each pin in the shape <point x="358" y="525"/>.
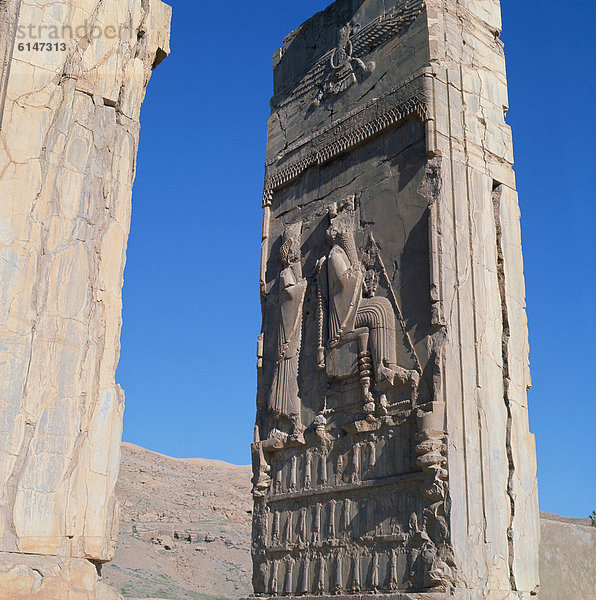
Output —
<point x="191" y="295"/>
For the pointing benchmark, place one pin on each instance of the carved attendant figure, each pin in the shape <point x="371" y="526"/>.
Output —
<point x="393" y="573"/>
<point x="303" y="525"/>
<point x="356" y="573"/>
<point x="284" y="401"/>
<point x="356" y="463"/>
<point x="347" y="529"/>
<point x="332" y="505"/>
<point x="274" y="575"/>
<point x="322" y="576"/>
<point x="338" y="573"/>
<point x="323" y="466"/>
<point x="374" y="576"/>
<point x="275" y="529"/>
<point x="316" y="530"/>
<point x="289" y="575"/>
<point x="339" y="469"/>
<point x="307" y="470"/>
<point x="372" y="456"/>
<point x="306" y="575"/>
<point x="293" y="470"/>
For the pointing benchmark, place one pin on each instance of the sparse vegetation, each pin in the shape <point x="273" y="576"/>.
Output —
<point x="145" y="583"/>
<point x="593" y="518"/>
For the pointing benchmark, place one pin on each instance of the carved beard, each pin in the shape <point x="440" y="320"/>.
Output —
<point x="345" y="239"/>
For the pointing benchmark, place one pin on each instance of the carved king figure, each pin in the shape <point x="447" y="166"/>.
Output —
<point x="368" y="321"/>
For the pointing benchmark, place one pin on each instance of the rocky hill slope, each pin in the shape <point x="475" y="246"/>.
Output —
<point x="185" y="534"/>
<point x="184" y="528"/>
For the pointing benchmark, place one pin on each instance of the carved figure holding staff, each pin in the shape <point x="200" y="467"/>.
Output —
<point x="284" y="400"/>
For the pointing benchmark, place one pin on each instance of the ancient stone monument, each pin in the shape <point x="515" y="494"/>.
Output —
<point x="392" y="452"/>
<point x="69" y="120"/>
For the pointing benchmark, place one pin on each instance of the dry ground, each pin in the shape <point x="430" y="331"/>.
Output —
<point x="185" y="528"/>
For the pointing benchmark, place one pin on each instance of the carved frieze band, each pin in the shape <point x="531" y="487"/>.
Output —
<point x="364" y="41"/>
<point x="407" y="99"/>
<point x="345" y="489"/>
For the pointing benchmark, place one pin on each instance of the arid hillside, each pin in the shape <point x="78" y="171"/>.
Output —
<point x="185" y="528"/>
<point x="185" y="534"/>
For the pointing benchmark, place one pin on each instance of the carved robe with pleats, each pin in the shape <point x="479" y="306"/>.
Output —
<point x="284" y="399"/>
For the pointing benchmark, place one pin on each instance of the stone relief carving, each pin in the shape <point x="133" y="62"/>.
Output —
<point x="372" y="456"/>
<point x="393" y="573"/>
<point x="338" y="573"/>
<point x="374" y="578"/>
<point x="356" y="568"/>
<point x="369" y="428"/>
<point x="305" y="587"/>
<point x="308" y="470"/>
<point x="284" y="401"/>
<point x="273" y="582"/>
<point x="293" y="472"/>
<point x="275" y="529"/>
<point x="353" y="463"/>
<point x="339" y="469"/>
<point x="303" y="535"/>
<point x="431" y="451"/>
<point x="366" y="522"/>
<point x="355" y="40"/>
<point x="261" y="468"/>
<point x="347" y="516"/>
<point x="289" y="537"/>
<point x="410" y="97"/>
<point x="321" y="579"/>
<point x="345" y="67"/>
<point x="316" y="530"/>
<point x="430" y="559"/>
<point x="323" y="475"/>
<point x="331" y="532"/>
<point x="353" y="318"/>
<point x="289" y="575"/>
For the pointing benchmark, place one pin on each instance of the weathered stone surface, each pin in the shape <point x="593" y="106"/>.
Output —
<point x="34" y="577"/>
<point x="567" y="558"/>
<point x="392" y="452"/>
<point x="69" y="135"/>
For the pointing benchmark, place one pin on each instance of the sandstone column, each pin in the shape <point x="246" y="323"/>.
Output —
<point x="68" y="143"/>
<point x="407" y="467"/>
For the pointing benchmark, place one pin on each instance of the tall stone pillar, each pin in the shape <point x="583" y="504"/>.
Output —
<point x="392" y="451"/>
<point x="73" y="77"/>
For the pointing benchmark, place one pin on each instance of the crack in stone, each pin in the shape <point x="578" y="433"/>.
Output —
<point x="506" y="333"/>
